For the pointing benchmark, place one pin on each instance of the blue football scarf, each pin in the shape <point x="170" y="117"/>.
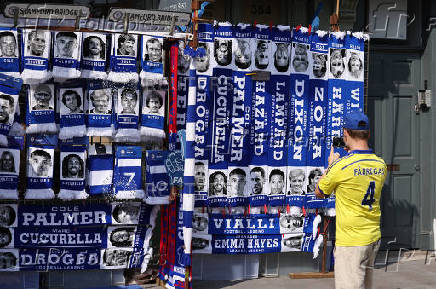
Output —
<point x="183" y="64"/>
<point x="40" y="172"/>
<point x="157" y="188"/>
<point x="330" y="206"/>
<point x="123" y="58"/>
<point x="99" y="118"/>
<point x="153" y="111"/>
<point x="260" y="126"/>
<point x="298" y="120"/>
<point x="126" y="105"/>
<point x="279" y="89"/>
<point x="354" y="66"/>
<point x="72" y="165"/>
<point x="66" y="54"/>
<point x="71" y="111"/>
<point x="318" y="86"/>
<point x="100" y="169"/>
<point x="152" y="56"/>
<point x="336" y="91"/>
<point x="40" y="112"/>
<point x="239" y="149"/>
<point x="220" y="113"/>
<point x="35" y="57"/>
<point x="94" y="55"/>
<point x="9" y="90"/>
<point x="10" y="169"/>
<point x="9" y="57"/>
<point x="127" y="173"/>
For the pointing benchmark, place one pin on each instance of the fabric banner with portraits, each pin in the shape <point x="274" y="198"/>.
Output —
<point x="94" y="55"/>
<point x="124" y="52"/>
<point x="40" y="110"/>
<point x="9" y="107"/>
<point x="73" y="160"/>
<point x="127" y="103"/>
<point x="9" y="52"/>
<point x="66" y="54"/>
<point x="99" y="118"/>
<point x="153" y="109"/>
<point x="35" y="57"/>
<point x="152" y="56"/>
<point x="9" y="172"/>
<point x="71" y="104"/>
<point x="40" y="172"/>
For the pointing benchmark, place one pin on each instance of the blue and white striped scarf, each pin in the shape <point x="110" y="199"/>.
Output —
<point x="127" y="173"/>
<point x="127" y="103"/>
<point x="157" y="180"/>
<point x="100" y="169"/>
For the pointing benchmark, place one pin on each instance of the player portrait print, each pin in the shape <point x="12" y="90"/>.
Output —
<point x="355" y="65"/>
<point x="7" y="108"/>
<point x="337" y="62"/>
<point x="6" y="237"/>
<point x="40" y="163"/>
<point x="126" y="45"/>
<point x="243" y="53"/>
<point x="313" y="179"/>
<point x="300" y="59"/>
<point x="257" y="181"/>
<point x="100" y="101"/>
<point x="202" y="61"/>
<point x="128" y="102"/>
<point x="116" y="258"/>
<point x="9" y="162"/>
<point x="71" y="100"/>
<point x="153" y="49"/>
<point x="121" y="236"/>
<point x="126" y="213"/>
<point x="217" y="184"/>
<point x="291" y="242"/>
<point x="72" y="166"/>
<point x="261" y="54"/>
<point x="281" y="57"/>
<point x="8" y="215"/>
<point x="200" y="223"/>
<point x="223" y="51"/>
<point x="291" y="224"/>
<point x="154" y="101"/>
<point x="319" y="64"/>
<point x="37" y="43"/>
<point x="277" y="182"/>
<point x="41" y="97"/>
<point x="237" y="182"/>
<point x="297" y="180"/>
<point x="8" y="44"/>
<point x="9" y="260"/>
<point x="94" y="47"/>
<point x="66" y="45"/>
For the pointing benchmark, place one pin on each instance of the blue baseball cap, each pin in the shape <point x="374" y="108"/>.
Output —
<point x="356" y="120"/>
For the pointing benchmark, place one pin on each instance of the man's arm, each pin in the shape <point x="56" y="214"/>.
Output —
<point x="332" y="158"/>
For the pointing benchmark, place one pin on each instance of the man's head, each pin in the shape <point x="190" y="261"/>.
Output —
<point x="243" y="54"/>
<point x="40" y="162"/>
<point x="296" y="179"/>
<point x="126" y="213"/>
<point x="337" y="65"/>
<point x="66" y="42"/>
<point x="94" y="47"/>
<point x="218" y="182"/>
<point x="8" y="44"/>
<point x="237" y="182"/>
<point x="7" y="260"/>
<point x="36" y="42"/>
<point x="5" y="237"/>
<point x="154" y="50"/>
<point x="223" y="51"/>
<point x="154" y="101"/>
<point x="100" y="99"/>
<point x="121" y="235"/>
<point x="72" y="166"/>
<point x="72" y="100"/>
<point x="129" y="99"/>
<point x="7" y="162"/>
<point x="261" y="57"/>
<point x="199" y="176"/>
<point x="281" y="57"/>
<point x="257" y="178"/>
<point x="355" y="65"/>
<point x="126" y="45"/>
<point x="319" y="64"/>
<point x="276" y="181"/>
<point x="42" y="96"/>
<point x="300" y="61"/>
<point x="6" y="107"/>
<point x="356" y="130"/>
<point x="7" y="215"/>
<point x="201" y="63"/>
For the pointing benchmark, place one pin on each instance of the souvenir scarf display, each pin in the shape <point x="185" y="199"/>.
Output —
<point x="126" y="103"/>
<point x="354" y="44"/>
<point x="66" y="54"/>
<point x="94" y="55"/>
<point x="40" y="172"/>
<point x="40" y="113"/>
<point x="157" y="189"/>
<point x="70" y="104"/>
<point x="279" y="89"/>
<point x="152" y="55"/>
<point x="123" y="58"/>
<point x="153" y="111"/>
<point x="127" y="173"/>
<point x="100" y="169"/>
<point x="9" y="90"/>
<point x="99" y="118"/>
<point x="260" y="109"/>
<point x="318" y="99"/>
<point x="73" y="160"/>
<point x="35" y="56"/>
<point x="10" y="169"/>
<point x="9" y="52"/>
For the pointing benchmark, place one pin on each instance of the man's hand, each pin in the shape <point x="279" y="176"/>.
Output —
<point x="333" y="156"/>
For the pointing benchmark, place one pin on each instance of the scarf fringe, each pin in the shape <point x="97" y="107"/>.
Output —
<point x="62" y="72"/>
<point x="127" y="135"/>
<point x="39" y="194"/>
<point x="133" y="194"/>
<point x="42" y="128"/>
<point x="30" y="76"/>
<point x="123" y="77"/>
<point x="72" y="131"/>
<point x="100" y="131"/>
<point x="72" y="195"/>
<point x="9" y="195"/>
<point x="92" y="74"/>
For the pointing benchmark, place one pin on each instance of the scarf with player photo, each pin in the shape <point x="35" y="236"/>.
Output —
<point x="318" y="87"/>
<point x="35" y="57"/>
<point x="99" y="118"/>
<point x="94" y="55"/>
<point x="73" y="160"/>
<point x="9" y="52"/>
<point x="260" y="114"/>
<point x="70" y="104"/>
<point x="9" y="90"/>
<point x="100" y="169"/>
<point x="126" y="105"/>
<point x="127" y="173"/>
<point x="10" y="168"/>
<point x="66" y="54"/>
<point x="153" y="111"/>
<point x="40" y="112"/>
<point x="337" y="98"/>
<point x="40" y="172"/>
<point x="279" y="89"/>
<point x="157" y="189"/>
<point x="152" y="58"/>
<point x="123" y="58"/>
<point x="298" y="116"/>
<point x="354" y="44"/>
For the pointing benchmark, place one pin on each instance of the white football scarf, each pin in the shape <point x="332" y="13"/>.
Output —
<point x="94" y="55"/>
<point x="40" y="113"/>
<point x="126" y="105"/>
<point x="123" y="58"/>
<point x="9" y="90"/>
<point x="40" y="172"/>
<point x="66" y="54"/>
<point x="99" y="118"/>
<point x="127" y="173"/>
<point x="71" y="113"/>
<point x="9" y="55"/>
<point x="153" y="111"/>
<point x="73" y="160"/>
<point x="35" y="57"/>
<point x="100" y="169"/>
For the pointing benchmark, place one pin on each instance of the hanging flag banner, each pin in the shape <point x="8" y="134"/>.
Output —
<point x="100" y="169"/>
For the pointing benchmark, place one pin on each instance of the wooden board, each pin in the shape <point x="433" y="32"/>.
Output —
<point x="311" y="275"/>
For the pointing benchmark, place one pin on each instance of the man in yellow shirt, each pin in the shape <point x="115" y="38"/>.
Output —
<point x="357" y="180"/>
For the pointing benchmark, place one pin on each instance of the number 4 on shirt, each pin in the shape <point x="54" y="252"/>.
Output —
<point x="368" y="199"/>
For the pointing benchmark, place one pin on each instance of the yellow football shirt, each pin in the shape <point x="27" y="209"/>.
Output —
<point x="357" y="180"/>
